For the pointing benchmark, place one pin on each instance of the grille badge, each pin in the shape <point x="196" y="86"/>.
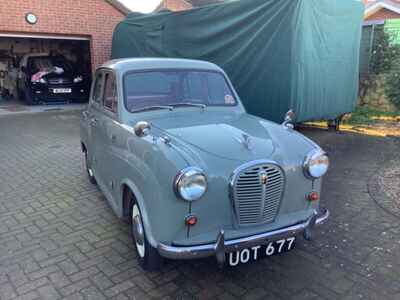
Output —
<point x="263" y="178"/>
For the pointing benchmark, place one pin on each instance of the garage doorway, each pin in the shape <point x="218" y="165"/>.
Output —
<point x="43" y="71"/>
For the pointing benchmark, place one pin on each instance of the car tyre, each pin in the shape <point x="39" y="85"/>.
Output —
<point x="89" y="170"/>
<point x="148" y="256"/>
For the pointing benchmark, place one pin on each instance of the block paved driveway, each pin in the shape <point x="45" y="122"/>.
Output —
<point x="60" y="239"/>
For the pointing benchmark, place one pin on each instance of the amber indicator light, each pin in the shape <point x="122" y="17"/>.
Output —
<point x="191" y="220"/>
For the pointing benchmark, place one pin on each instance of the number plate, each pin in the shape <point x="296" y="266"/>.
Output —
<point x="257" y="252"/>
<point x="62" y="91"/>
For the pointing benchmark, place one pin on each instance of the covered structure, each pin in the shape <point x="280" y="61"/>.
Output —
<point x="289" y="54"/>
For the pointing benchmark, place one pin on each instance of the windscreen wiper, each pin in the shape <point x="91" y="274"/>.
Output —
<point x="203" y="106"/>
<point x="153" y="107"/>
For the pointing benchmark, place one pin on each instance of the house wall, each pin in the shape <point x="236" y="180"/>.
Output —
<point x="95" y="19"/>
<point x="383" y="14"/>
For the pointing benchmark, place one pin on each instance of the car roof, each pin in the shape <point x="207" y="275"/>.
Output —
<point x="132" y="64"/>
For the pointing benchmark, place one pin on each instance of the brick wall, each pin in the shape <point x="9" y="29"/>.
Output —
<point x="92" y="18"/>
<point x="383" y="14"/>
<point x="175" y="5"/>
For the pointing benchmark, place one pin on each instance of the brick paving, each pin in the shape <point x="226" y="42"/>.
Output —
<point x="384" y="188"/>
<point x="60" y="240"/>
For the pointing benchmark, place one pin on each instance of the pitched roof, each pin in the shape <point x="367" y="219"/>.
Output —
<point x="203" y="2"/>
<point x="119" y="6"/>
<point x="373" y="7"/>
<point x="188" y="3"/>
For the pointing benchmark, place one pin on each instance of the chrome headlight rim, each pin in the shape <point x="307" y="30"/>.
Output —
<point x="189" y="171"/>
<point x="314" y="154"/>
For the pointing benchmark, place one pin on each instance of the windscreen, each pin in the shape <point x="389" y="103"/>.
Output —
<point x="163" y="88"/>
<point x="44" y="63"/>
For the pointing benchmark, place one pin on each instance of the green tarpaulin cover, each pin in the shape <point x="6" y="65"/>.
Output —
<point x="280" y="54"/>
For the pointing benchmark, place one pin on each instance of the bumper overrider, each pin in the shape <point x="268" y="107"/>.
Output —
<point x="221" y="246"/>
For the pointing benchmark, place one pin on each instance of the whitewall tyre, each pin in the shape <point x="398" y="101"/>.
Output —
<point x="148" y="256"/>
<point x="137" y="230"/>
<point x="89" y="170"/>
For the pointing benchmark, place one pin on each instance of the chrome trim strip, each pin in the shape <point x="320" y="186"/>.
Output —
<point x="221" y="246"/>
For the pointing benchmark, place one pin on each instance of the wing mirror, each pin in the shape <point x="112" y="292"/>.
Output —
<point x="288" y="121"/>
<point x="142" y="128"/>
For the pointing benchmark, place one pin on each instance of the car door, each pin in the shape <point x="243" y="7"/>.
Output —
<point x="93" y="117"/>
<point x="109" y="126"/>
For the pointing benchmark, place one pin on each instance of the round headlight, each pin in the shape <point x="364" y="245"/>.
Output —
<point x="190" y="184"/>
<point x="316" y="164"/>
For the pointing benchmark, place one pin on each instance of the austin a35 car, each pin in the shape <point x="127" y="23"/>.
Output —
<point x="173" y="150"/>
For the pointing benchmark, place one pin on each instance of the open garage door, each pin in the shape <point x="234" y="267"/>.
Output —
<point x="37" y="69"/>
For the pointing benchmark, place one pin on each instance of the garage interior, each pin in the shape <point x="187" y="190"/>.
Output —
<point x="12" y="51"/>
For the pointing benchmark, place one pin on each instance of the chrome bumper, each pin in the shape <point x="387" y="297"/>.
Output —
<point x="220" y="247"/>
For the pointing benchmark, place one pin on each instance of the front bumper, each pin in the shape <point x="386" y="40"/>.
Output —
<point x="220" y="247"/>
<point x="79" y="93"/>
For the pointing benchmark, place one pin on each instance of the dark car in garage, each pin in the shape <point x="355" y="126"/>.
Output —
<point x="45" y="78"/>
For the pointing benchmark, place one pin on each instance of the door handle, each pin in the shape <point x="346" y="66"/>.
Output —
<point x="113" y="138"/>
<point x="93" y="121"/>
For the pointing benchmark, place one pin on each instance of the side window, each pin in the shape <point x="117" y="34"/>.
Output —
<point x="98" y="85"/>
<point x="110" y="100"/>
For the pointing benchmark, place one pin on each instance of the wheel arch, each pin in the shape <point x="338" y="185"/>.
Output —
<point x="130" y="192"/>
<point x="83" y="147"/>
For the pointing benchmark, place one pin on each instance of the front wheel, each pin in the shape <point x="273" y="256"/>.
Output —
<point x="148" y="256"/>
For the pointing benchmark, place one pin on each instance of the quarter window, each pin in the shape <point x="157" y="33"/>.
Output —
<point x="110" y="93"/>
<point x="98" y="85"/>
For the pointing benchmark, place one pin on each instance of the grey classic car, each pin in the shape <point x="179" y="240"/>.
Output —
<point x="173" y="150"/>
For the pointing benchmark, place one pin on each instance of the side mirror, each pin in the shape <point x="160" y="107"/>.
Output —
<point x="288" y="121"/>
<point x="142" y="128"/>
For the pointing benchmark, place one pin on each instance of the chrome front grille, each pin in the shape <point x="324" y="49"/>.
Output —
<point x="257" y="190"/>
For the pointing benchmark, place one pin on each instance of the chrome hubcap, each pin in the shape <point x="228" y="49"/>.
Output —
<point x="138" y="231"/>
<point x="90" y="171"/>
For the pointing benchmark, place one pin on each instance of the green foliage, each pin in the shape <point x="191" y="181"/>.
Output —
<point x="392" y="84"/>
<point x="385" y="59"/>
<point x="383" y="52"/>
<point x="366" y="115"/>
